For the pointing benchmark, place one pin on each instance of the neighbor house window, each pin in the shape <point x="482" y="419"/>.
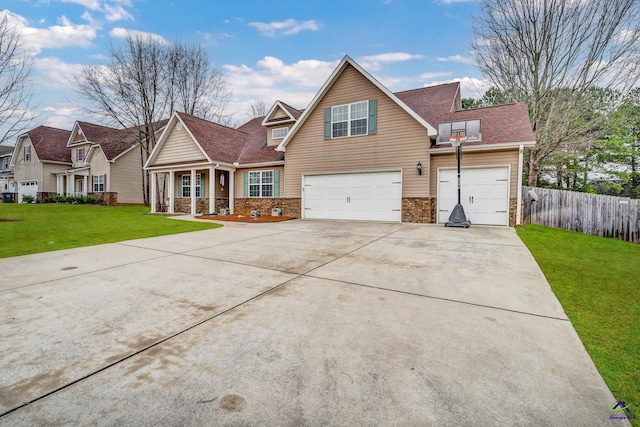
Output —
<point x="98" y="183"/>
<point x="80" y="154"/>
<point x="350" y="119"/>
<point x="261" y="184"/>
<point x="279" y="133"/>
<point x="27" y="153"/>
<point x="185" y="186"/>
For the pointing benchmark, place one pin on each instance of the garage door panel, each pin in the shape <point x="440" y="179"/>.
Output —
<point x="484" y="194"/>
<point x="373" y="196"/>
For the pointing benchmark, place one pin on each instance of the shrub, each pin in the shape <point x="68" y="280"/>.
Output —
<point x="27" y="198"/>
<point x="89" y="199"/>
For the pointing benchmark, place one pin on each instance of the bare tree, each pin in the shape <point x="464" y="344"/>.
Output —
<point x="146" y="81"/>
<point x="256" y="109"/>
<point x="551" y="53"/>
<point x="16" y="93"/>
<point x="195" y="86"/>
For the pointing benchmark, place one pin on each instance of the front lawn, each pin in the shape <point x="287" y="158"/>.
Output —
<point x="597" y="280"/>
<point x="51" y="227"/>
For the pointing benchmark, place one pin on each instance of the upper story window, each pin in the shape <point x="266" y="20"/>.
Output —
<point x="349" y="119"/>
<point x="4" y="163"/>
<point x="279" y="133"/>
<point x="80" y="154"/>
<point x="471" y="129"/>
<point x="261" y="184"/>
<point x="27" y="153"/>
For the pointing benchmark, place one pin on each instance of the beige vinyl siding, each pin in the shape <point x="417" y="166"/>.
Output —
<point x="399" y="144"/>
<point x="99" y="165"/>
<point x="78" y="139"/>
<point x="49" y="183"/>
<point x="179" y="147"/>
<point x="270" y="140"/>
<point x="490" y="158"/>
<point x="27" y="171"/>
<point x="126" y="177"/>
<point x="239" y="184"/>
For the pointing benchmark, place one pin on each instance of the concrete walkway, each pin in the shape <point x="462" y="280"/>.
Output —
<point x="293" y="323"/>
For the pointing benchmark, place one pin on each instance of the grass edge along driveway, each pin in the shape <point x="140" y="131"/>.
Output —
<point x="52" y="227"/>
<point x="596" y="281"/>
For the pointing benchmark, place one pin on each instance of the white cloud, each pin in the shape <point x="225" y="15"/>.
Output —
<point x="65" y="34"/>
<point x="113" y="10"/>
<point x="375" y="62"/>
<point x="271" y="79"/>
<point x="457" y="58"/>
<point x="287" y="27"/>
<point x="429" y="76"/>
<point x="470" y="87"/>
<point x="54" y="73"/>
<point x="456" y="1"/>
<point x="123" y="33"/>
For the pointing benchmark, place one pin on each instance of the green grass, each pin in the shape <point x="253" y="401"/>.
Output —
<point x="51" y="227"/>
<point x="597" y="281"/>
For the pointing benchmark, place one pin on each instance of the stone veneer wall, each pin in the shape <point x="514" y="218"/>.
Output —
<point x="107" y="198"/>
<point x="290" y="207"/>
<point x="419" y="210"/>
<point x="513" y="206"/>
<point x="183" y="205"/>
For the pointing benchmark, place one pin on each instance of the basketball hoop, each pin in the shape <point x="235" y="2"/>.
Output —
<point x="457" y="140"/>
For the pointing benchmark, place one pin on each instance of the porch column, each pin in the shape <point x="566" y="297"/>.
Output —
<point x="170" y="192"/>
<point x="85" y="181"/>
<point x="60" y="184"/>
<point x="193" y="191"/>
<point x="212" y="189"/>
<point x="232" y="188"/>
<point x="152" y="177"/>
<point x="70" y="182"/>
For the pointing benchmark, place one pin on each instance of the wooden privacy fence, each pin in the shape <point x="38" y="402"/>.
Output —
<point x="604" y="216"/>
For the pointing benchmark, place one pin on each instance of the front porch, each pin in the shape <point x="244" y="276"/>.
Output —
<point x="192" y="190"/>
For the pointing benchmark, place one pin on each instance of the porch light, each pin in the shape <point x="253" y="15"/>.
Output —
<point x="419" y="168"/>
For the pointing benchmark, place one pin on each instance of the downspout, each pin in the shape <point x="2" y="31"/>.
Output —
<point x="519" y="201"/>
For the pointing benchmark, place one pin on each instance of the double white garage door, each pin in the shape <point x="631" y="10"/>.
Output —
<point x="377" y="196"/>
<point x="484" y="194"/>
<point x="362" y="196"/>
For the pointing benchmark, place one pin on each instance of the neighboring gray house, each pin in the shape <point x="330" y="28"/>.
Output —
<point x="6" y="173"/>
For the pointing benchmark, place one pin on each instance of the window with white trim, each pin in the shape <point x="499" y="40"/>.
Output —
<point x="279" y="133"/>
<point x="185" y="185"/>
<point x="80" y="154"/>
<point x="261" y="184"/>
<point x="350" y="119"/>
<point x="27" y="153"/>
<point x="98" y="183"/>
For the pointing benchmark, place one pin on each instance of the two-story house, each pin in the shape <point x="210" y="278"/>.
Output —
<point x="357" y="152"/>
<point x="36" y="155"/>
<point x="6" y="172"/>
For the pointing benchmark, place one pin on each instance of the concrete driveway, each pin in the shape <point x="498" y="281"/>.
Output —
<point x="293" y="323"/>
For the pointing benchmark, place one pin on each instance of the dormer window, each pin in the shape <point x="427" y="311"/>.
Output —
<point x="471" y="129"/>
<point x="80" y="154"/>
<point x="27" y="153"/>
<point x="279" y="133"/>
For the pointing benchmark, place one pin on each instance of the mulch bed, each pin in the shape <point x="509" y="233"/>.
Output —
<point x="9" y="220"/>
<point x="243" y="218"/>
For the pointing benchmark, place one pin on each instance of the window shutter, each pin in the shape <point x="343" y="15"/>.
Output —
<point x="327" y="123"/>
<point x="246" y="184"/>
<point x="105" y="182"/>
<point x="276" y="183"/>
<point x="373" y="116"/>
<point x="93" y="188"/>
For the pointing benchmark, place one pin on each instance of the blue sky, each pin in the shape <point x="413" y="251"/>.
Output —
<point x="267" y="50"/>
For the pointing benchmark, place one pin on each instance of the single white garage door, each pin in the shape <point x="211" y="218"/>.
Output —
<point x="484" y="194"/>
<point x="27" y="188"/>
<point x="373" y="196"/>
